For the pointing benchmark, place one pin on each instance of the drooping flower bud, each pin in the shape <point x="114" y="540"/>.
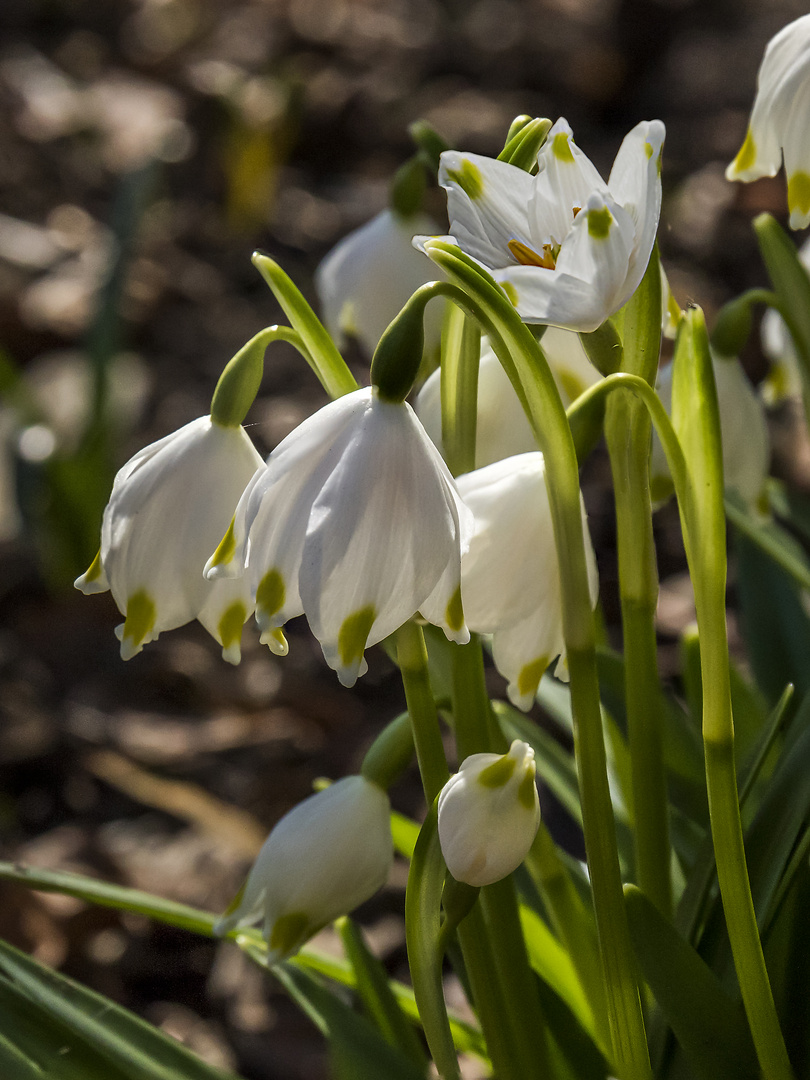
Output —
<point x="325" y="857"/>
<point x="489" y="814"/>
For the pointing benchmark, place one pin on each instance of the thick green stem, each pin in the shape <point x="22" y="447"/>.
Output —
<point x="427" y="736"/>
<point x="525" y="364"/>
<point x="627" y="426"/>
<point x="239" y="382"/>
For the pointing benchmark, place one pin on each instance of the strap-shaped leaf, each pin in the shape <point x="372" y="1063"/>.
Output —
<point x="708" y="1024"/>
<point x="129" y="1046"/>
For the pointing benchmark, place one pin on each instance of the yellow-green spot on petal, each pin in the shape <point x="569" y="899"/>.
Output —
<point x="140" y="618"/>
<point x="271" y="593"/>
<point x="511" y="292"/>
<point x="648" y="149"/>
<point x="746" y="155"/>
<point x="599" y="221"/>
<point x="226" y="547"/>
<point x="561" y="148"/>
<point x="289" y="932"/>
<point x="527" y="790"/>
<point x="530" y="676"/>
<point x="454" y="614"/>
<point x="799" y="192"/>
<point x="469" y="179"/>
<point x="498" y="773"/>
<point x="94" y="570"/>
<point x="275" y="641"/>
<point x="353" y="635"/>
<point x="571" y="384"/>
<point x="231" y="623"/>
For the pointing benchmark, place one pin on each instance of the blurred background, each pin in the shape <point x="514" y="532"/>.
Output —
<point x="146" y="148"/>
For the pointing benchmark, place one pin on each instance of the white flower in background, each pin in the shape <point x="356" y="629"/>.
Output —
<point x="784" y="379"/>
<point x="510" y="577"/>
<point x="779" y="120"/>
<point x="356" y="521"/>
<point x="169" y="506"/>
<point x="489" y="814"/>
<point x="743" y="429"/>
<point x="329" y="854"/>
<point x="369" y="275"/>
<point x="568" y="248"/>
<point x="502" y="429"/>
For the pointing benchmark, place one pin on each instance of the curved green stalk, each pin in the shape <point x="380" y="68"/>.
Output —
<point x="427" y="736"/>
<point x="239" y="382"/>
<point x="525" y="364"/>
<point x="328" y="364"/>
<point x="461" y="349"/>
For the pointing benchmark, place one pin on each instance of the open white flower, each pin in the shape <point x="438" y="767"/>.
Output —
<point x="356" y="521"/>
<point x="502" y="429"/>
<point x="169" y="505"/>
<point x="367" y="277"/>
<point x="779" y="120"/>
<point x="489" y="814"/>
<point x="568" y="248"/>
<point x="329" y="854"/>
<point x="743" y="430"/>
<point x="510" y="577"/>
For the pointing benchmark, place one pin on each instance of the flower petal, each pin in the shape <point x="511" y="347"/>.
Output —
<point x="487" y="204"/>
<point x="565" y="180"/>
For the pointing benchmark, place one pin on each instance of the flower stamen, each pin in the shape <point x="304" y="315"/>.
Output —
<point x="527" y="256"/>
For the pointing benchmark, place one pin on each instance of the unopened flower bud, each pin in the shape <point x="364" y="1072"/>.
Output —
<point x="489" y="814"/>
<point x="325" y="857"/>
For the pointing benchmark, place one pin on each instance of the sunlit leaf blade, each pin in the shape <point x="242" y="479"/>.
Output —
<point x="708" y="1024"/>
<point x="552" y="963"/>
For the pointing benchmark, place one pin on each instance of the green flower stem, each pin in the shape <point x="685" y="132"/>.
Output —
<point x="476" y="731"/>
<point x="704" y="536"/>
<point x="327" y="363"/>
<point x="526" y="366"/>
<point x="239" y="382"/>
<point x="627" y="427"/>
<point x="427" y="736"/>
<point x="461" y="348"/>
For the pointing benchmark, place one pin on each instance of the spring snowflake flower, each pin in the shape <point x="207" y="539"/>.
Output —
<point x="489" y="814"/>
<point x="510" y="577"/>
<point x="568" y="248"/>
<point x="743" y="430"/>
<point x="502" y="429"/>
<point x="356" y="521"/>
<point x="329" y="854"/>
<point x="367" y="277"/>
<point x="169" y="505"/>
<point x="778" y="124"/>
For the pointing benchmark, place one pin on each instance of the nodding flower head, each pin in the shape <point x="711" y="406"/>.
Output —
<point x="169" y="506"/>
<point x="355" y="521"/>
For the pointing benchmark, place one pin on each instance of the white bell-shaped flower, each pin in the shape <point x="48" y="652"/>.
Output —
<point x="355" y="521"/>
<point x="743" y="430"/>
<point x="568" y="248"/>
<point x="784" y="378"/>
<point x="369" y="275"/>
<point x="779" y="119"/>
<point x="489" y="814"/>
<point x="502" y="429"/>
<point x="169" y="506"/>
<point x="510" y="577"/>
<point x="329" y="854"/>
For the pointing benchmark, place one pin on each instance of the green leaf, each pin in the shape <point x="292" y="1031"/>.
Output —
<point x="553" y="964"/>
<point x="377" y="996"/>
<point x="771" y="538"/>
<point x="133" y="1048"/>
<point x="357" y="1051"/>
<point x="708" y="1024"/>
